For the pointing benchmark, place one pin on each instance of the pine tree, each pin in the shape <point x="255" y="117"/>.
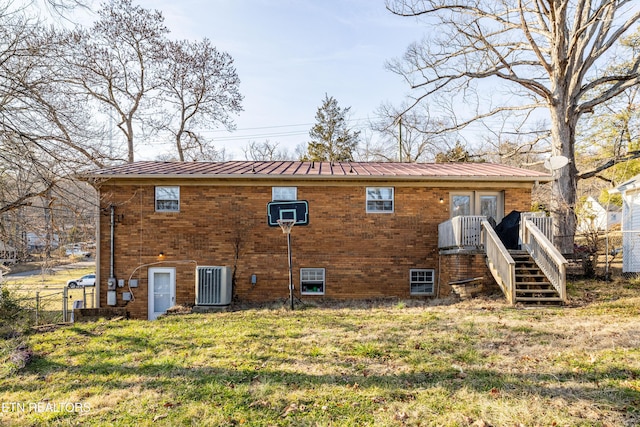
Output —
<point x="331" y="138"/>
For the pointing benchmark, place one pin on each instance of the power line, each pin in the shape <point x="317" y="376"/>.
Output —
<point x="293" y="125"/>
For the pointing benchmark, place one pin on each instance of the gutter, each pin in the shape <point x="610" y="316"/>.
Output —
<point x="406" y="178"/>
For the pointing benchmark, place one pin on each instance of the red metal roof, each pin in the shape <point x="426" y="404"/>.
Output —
<point x="322" y="170"/>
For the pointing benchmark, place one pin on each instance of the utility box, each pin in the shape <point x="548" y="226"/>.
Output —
<point x="111" y="297"/>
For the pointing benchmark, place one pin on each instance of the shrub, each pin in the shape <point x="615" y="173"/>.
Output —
<point x="14" y="320"/>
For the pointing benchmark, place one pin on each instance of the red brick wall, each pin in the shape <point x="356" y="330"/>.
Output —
<point x="462" y="266"/>
<point x="365" y="255"/>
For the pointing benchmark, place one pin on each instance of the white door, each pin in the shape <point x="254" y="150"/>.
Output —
<point x="162" y="290"/>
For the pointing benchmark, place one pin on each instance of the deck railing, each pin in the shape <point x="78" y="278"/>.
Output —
<point x="548" y="258"/>
<point x="461" y="232"/>
<point x="499" y="261"/>
<point x="543" y="222"/>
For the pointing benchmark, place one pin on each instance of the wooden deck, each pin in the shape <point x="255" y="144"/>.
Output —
<point x="536" y="274"/>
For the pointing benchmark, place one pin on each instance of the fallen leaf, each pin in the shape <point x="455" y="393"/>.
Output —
<point x="292" y="407"/>
<point x="159" y="417"/>
<point x="401" y="416"/>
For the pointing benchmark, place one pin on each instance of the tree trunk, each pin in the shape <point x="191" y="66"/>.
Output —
<point x="130" y="141"/>
<point x="179" y="147"/>
<point x="564" y="186"/>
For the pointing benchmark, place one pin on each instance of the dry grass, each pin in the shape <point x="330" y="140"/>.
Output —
<point x="50" y="287"/>
<point x="471" y="363"/>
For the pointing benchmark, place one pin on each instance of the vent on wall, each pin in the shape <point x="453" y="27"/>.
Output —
<point x="213" y="285"/>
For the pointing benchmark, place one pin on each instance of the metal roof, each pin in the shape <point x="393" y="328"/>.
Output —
<point x="318" y="170"/>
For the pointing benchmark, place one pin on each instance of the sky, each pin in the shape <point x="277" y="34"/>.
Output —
<point x="290" y="53"/>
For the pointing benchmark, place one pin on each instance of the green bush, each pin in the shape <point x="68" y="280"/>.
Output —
<point x="14" y="320"/>
<point x="14" y="323"/>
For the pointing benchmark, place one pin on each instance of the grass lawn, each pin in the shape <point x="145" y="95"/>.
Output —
<point x="57" y="279"/>
<point x="471" y="363"/>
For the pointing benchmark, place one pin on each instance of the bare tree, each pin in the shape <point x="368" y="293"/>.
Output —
<point x="548" y="52"/>
<point x="116" y="62"/>
<point x="45" y="133"/>
<point x="265" y="151"/>
<point x="409" y="136"/>
<point x="198" y="88"/>
<point x="525" y="145"/>
<point x="610" y="138"/>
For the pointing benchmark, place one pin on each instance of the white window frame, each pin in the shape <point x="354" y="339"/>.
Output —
<point x="375" y="210"/>
<point x="312" y="276"/>
<point x="280" y="193"/>
<point x="475" y="205"/>
<point x="157" y="199"/>
<point x="499" y="195"/>
<point x="452" y="208"/>
<point x="416" y="280"/>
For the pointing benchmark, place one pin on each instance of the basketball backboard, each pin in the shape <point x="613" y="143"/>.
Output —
<point x="297" y="210"/>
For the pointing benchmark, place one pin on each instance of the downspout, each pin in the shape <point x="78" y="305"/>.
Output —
<point x="111" y="282"/>
<point x="112" y="244"/>
<point x="98" y="262"/>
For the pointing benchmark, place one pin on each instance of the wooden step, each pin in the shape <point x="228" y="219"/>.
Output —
<point x="524" y="262"/>
<point x="536" y="291"/>
<point x="539" y="299"/>
<point x="532" y="286"/>
<point x="531" y="275"/>
<point x="536" y="286"/>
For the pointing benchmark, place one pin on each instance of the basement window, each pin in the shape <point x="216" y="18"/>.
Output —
<point x="168" y="199"/>
<point x="421" y="281"/>
<point x="379" y="199"/>
<point x="312" y="281"/>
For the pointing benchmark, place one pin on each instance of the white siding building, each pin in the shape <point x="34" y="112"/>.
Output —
<point x="630" y="191"/>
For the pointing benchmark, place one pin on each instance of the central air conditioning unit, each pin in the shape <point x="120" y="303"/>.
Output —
<point x="213" y="285"/>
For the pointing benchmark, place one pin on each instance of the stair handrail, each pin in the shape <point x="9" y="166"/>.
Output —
<point x="547" y="257"/>
<point x="500" y="262"/>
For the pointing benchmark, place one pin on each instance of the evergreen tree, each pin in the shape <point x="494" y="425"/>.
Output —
<point x="456" y="154"/>
<point x="331" y="138"/>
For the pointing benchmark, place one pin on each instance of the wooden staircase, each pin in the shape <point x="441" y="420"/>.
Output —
<point x="531" y="285"/>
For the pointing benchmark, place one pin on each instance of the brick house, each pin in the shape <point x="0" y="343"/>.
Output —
<point x="372" y="232"/>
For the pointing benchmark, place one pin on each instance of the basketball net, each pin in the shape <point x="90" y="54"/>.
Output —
<point x="286" y="225"/>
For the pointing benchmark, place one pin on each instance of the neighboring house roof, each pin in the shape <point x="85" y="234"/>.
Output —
<point x="592" y="204"/>
<point x="320" y="170"/>
<point x="629" y="185"/>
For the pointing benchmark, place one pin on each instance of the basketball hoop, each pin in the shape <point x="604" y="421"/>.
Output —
<point x="286" y="225"/>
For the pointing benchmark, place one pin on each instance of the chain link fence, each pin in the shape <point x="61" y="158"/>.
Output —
<point x="597" y="253"/>
<point x="54" y="305"/>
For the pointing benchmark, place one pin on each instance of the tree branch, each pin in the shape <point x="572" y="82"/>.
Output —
<point x="23" y="200"/>
<point x="609" y="164"/>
